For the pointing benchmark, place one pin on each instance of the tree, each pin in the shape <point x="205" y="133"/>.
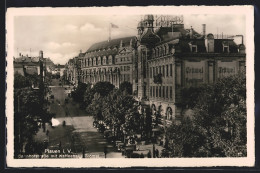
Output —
<point x="183" y="139"/>
<point x="29" y="111"/>
<point x="103" y="88"/>
<point x="220" y="117"/>
<point x="189" y="96"/>
<point x="126" y="86"/>
<point x="78" y="94"/>
<point x="218" y="126"/>
<point x="95" y="95"/>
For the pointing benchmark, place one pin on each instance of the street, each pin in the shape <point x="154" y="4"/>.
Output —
<point x="78" y="133"/>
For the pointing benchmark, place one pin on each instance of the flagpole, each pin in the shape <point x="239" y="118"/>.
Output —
<point x="109" y="32"/>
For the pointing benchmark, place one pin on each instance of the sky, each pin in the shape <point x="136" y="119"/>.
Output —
<point x="61" y="37"/>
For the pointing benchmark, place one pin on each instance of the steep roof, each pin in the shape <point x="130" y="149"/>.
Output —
<point x="111" y="44"/>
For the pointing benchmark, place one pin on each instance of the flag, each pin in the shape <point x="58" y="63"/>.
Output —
<point x="114" y="26"/>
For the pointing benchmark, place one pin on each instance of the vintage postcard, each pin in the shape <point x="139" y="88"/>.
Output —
<point x="156" y="86"/>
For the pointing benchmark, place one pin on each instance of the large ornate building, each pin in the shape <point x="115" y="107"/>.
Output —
<point x="163" y="58"/>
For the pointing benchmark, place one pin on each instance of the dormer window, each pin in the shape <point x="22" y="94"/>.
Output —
<point x="225" y="47"/>
<point x="194" y="48"/>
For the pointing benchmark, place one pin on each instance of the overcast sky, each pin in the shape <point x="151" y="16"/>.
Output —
<point x="62" y="37"/>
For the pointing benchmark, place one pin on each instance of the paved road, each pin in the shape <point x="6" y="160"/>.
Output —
<point x="79" y="132"/>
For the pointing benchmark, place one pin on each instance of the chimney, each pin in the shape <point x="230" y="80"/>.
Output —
<point x="20" y="54"/>
<point x="204" y="30"/>
<point x="191" y="32"/>
<point x="80" y="51"/>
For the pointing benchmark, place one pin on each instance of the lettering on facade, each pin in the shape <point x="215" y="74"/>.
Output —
<point x="194" y="75"/>
<point x="226" y="70"/>
<point x="194" y="70"/>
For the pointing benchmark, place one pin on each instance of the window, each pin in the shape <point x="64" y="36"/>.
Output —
<point x="153" y="71"/>
<point x="156" y="91"/>
<point x="163" y="92"/>
<point x="167" y="70"/>
<point x="170" y="92"/>
<point x="163" y="72"/>
<point x="166" y="91"/>
<point x="151" y="92"/>
<point x="160" y="71"/>
<point x="160" y="91"/>
<point x="170" y="69"/>
<point x="225" y="49"/>
<point x="194" y="48"/>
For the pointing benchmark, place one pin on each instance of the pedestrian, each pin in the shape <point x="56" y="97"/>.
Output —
<point x="149" y="155"/>
<point x="83" y="152"/>
<point x="153" y="151"/>
<point x="47" y="132"/>
<point x="105" y="151"/>
<point x="60" y="145"/>
<point x="157" y="153"/>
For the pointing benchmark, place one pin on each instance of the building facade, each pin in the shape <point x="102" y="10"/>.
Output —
<point x="162" y="59"/>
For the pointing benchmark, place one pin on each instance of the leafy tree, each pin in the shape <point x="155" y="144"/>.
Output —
<point x="29" y="109"/>
<point x="28" y="112"/>
<point x="184" y="139"/>
<point x="100" y="90"/>
<point x="218" y="127"/>
<point x="220" y="117"/>
<point x="122" y="112"/>
<point x="148" y="121"/>
<point x="21" y="81"/>
<point x="96" y="107"/>
<point x="189" y="96"/>
<point x="126" y="86"/>
<point x="78" y="94"/>
<point x="103" y="88"/>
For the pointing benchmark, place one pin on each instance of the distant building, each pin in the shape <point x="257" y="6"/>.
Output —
<point x="31" y="65"/>
<point x="71" y="71"/>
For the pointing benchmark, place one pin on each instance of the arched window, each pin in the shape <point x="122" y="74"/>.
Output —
<point x="153" y="109"/>
<point x="166" y="49"/>
<point x="169" y="113"/>
<point x="103" y="60"/>
<point x="99" y="61"/>
<point x="110" y="59"/>
<point x="153" y="53"/>
<point x="90" y="62"/>
<point x="94" y="61"/>
<point x="163" y="50"/>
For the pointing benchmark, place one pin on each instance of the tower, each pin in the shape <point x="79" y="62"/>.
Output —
<point x="41" y="54"/>
<point x="147" y="40"/>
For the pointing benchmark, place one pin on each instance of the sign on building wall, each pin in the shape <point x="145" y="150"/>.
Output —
<point x="194" y="73"/>
<point x="226" y="69"/>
